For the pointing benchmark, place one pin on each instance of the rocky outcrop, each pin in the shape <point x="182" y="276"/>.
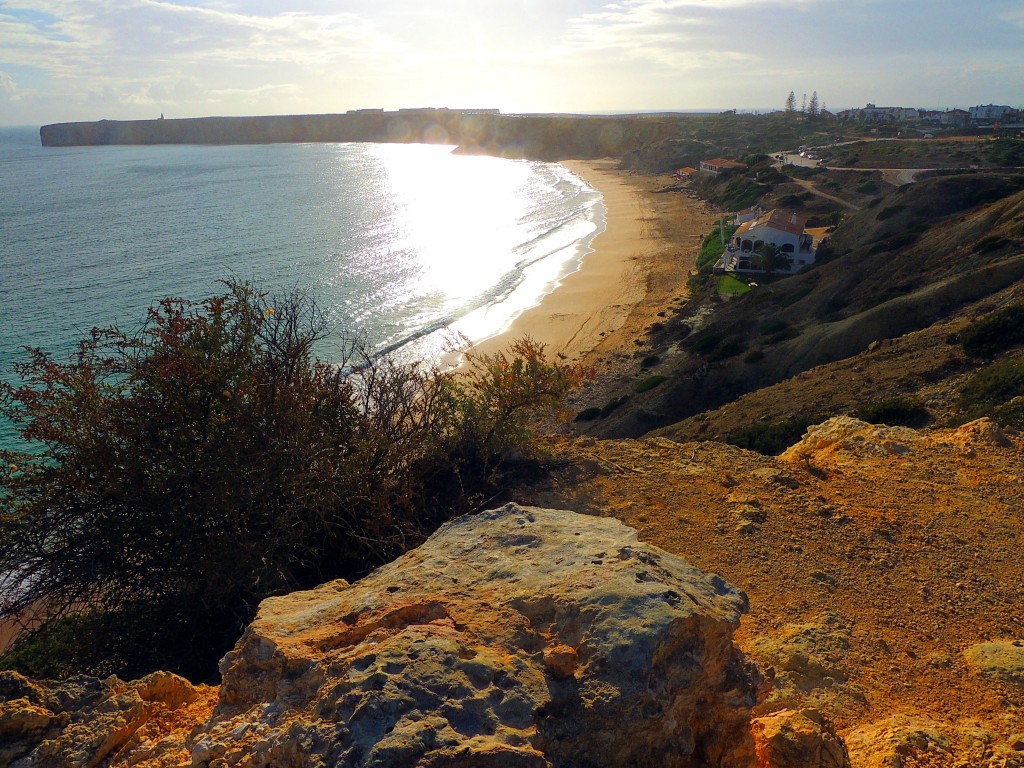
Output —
<point x="517" y="637"/>
<point x="1001" y="660"/>
<point x="89" y="722"/>
<point x="798" y="739"/>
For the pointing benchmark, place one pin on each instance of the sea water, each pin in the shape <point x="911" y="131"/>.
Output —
<point x="405" y="246"/>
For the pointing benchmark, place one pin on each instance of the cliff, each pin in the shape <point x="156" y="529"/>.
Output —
<point x="884" y="580"/>
<point x="545" y="137"/>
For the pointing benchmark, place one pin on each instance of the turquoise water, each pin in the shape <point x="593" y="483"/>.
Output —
<point x="402" y="244"/>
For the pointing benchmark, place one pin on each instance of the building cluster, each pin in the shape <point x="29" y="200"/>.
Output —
<point x="982" y="116"/>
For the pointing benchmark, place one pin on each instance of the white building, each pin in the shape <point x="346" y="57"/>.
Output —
<point x="988" y="112"/>
<point x="781" y="228"/>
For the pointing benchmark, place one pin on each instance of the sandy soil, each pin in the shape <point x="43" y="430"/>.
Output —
<point x="639" y="265"/>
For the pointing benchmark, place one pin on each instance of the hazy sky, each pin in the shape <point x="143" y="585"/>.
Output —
<point x="64" y="60"/>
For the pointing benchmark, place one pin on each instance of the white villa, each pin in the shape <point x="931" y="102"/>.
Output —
<point x="782" y="228"/>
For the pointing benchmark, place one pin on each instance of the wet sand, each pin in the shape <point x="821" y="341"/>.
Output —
<point x="639" y="265"/>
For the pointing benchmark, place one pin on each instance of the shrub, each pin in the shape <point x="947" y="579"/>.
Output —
<point x="650" y="383"/>
<point x="189" y="470"/>
<point x="899" y="411"/>
<point x="612" y="405"/>
<point x="588" y="414"/>
<point x="650" y="361"/>
<point x="995" y="332"/>
<point x="754" y="357"/>
<point x="992" y="386"/>
<point x="706" y="342"/>
<point x="771" y="438"/>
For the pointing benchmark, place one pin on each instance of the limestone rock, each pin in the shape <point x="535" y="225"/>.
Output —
<point x="516" y="637"/>
<point x="842" y="438"/>
<point x="1001" y="660"/>
<point x="86" y="722"/>
<point x="982" y="431"/>
<point x="804" y="739"/>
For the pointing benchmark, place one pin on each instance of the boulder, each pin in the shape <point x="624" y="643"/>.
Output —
<point x="798" y="739"/>
<point x="1001" y="660"/>
<point x="516" y="637"/>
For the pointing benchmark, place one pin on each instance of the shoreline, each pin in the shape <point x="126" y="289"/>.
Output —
<point x="637" y="266"/>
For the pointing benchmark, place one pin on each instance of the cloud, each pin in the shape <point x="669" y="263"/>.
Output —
<point x="7" y="86"/>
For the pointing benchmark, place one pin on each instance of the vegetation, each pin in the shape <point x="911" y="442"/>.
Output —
<point x="772" y="438"/>
<point x="991" y="387"/>
<point x="899" y="411"/>
<point x="650" y="383"/>
<point x="713" y="247"/>
<point x="730" y="285"/>
<point x="995" y="332"/>
<point x="189" y="470"/>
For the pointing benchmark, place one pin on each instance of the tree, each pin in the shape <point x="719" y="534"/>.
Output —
<point x="812" y="107"/>
<point x="189" y="470"/>
<point x="791" y="103"/>
<point x="803" y="104"/>
<point x="770" y="258"/>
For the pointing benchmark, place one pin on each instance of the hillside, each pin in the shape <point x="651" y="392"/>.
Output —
<point x="929" y="255"/>
<point x="875" y="559"/>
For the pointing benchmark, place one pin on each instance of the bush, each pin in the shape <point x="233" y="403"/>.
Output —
<point x="588" y="414"/>
<point x="189" y="470"/>
<point x="994" y="332"/>
<point x="650" y="361"/>
<point x="754" y="357"/>
<point x="612" y="405"/>
<point x="771" y="438"/>
<point x="650" y="383"/>
<point x="992" y="386"/>
<point x="896" y="412"/>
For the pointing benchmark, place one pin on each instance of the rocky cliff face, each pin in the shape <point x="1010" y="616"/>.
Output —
<point x="517" y="637"/>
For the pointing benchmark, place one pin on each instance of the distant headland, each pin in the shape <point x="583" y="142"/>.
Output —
<point x="487" y="131"/>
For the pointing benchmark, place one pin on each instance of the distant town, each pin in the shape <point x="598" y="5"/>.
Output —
<point x="994" y="116"/>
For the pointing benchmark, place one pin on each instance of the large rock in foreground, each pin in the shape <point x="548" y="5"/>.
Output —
<point x="517" y="637"/>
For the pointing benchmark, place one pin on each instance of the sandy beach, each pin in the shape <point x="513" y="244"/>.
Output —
<point x="639" y="265"/>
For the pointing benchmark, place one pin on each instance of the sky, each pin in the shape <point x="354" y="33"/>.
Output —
<point x="68" y="60"/>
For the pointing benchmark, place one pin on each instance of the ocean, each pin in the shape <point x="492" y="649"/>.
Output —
<point x="405" y="246"/>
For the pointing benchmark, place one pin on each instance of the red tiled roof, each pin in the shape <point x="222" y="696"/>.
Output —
<point x="779" y="219"/>
<point x="719" y="162"/>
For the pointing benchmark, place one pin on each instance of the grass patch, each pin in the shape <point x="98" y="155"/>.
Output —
<point x="730" y="285"/>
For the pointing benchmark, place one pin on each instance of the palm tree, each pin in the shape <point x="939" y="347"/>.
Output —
<point x="769" y="258"/>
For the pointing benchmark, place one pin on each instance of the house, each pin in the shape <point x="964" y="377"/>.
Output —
<point x="748" y="214"/>
<point x="685" y="172"/>
<point x="873" y="114"/>
<point x="717" y="165"/>
<point x="987" y="113"/>
<point x="784" y="229"/>
<point x="955" y="117"/>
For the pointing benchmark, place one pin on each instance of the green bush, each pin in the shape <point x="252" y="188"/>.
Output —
<point x="706" y="342"/>
<point x="189" y="470"/>
<point x="613" y="404"/>
<point x="992" y="386"/>
<point x="650" y="361"/>
<point x="754" y="357"/>
<point x="899" y="411"/>
<point x="588" y="414"/>
<point x="995" y="332"/>
<point x="771" y="438"/>
<point x="650" y="383"/>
